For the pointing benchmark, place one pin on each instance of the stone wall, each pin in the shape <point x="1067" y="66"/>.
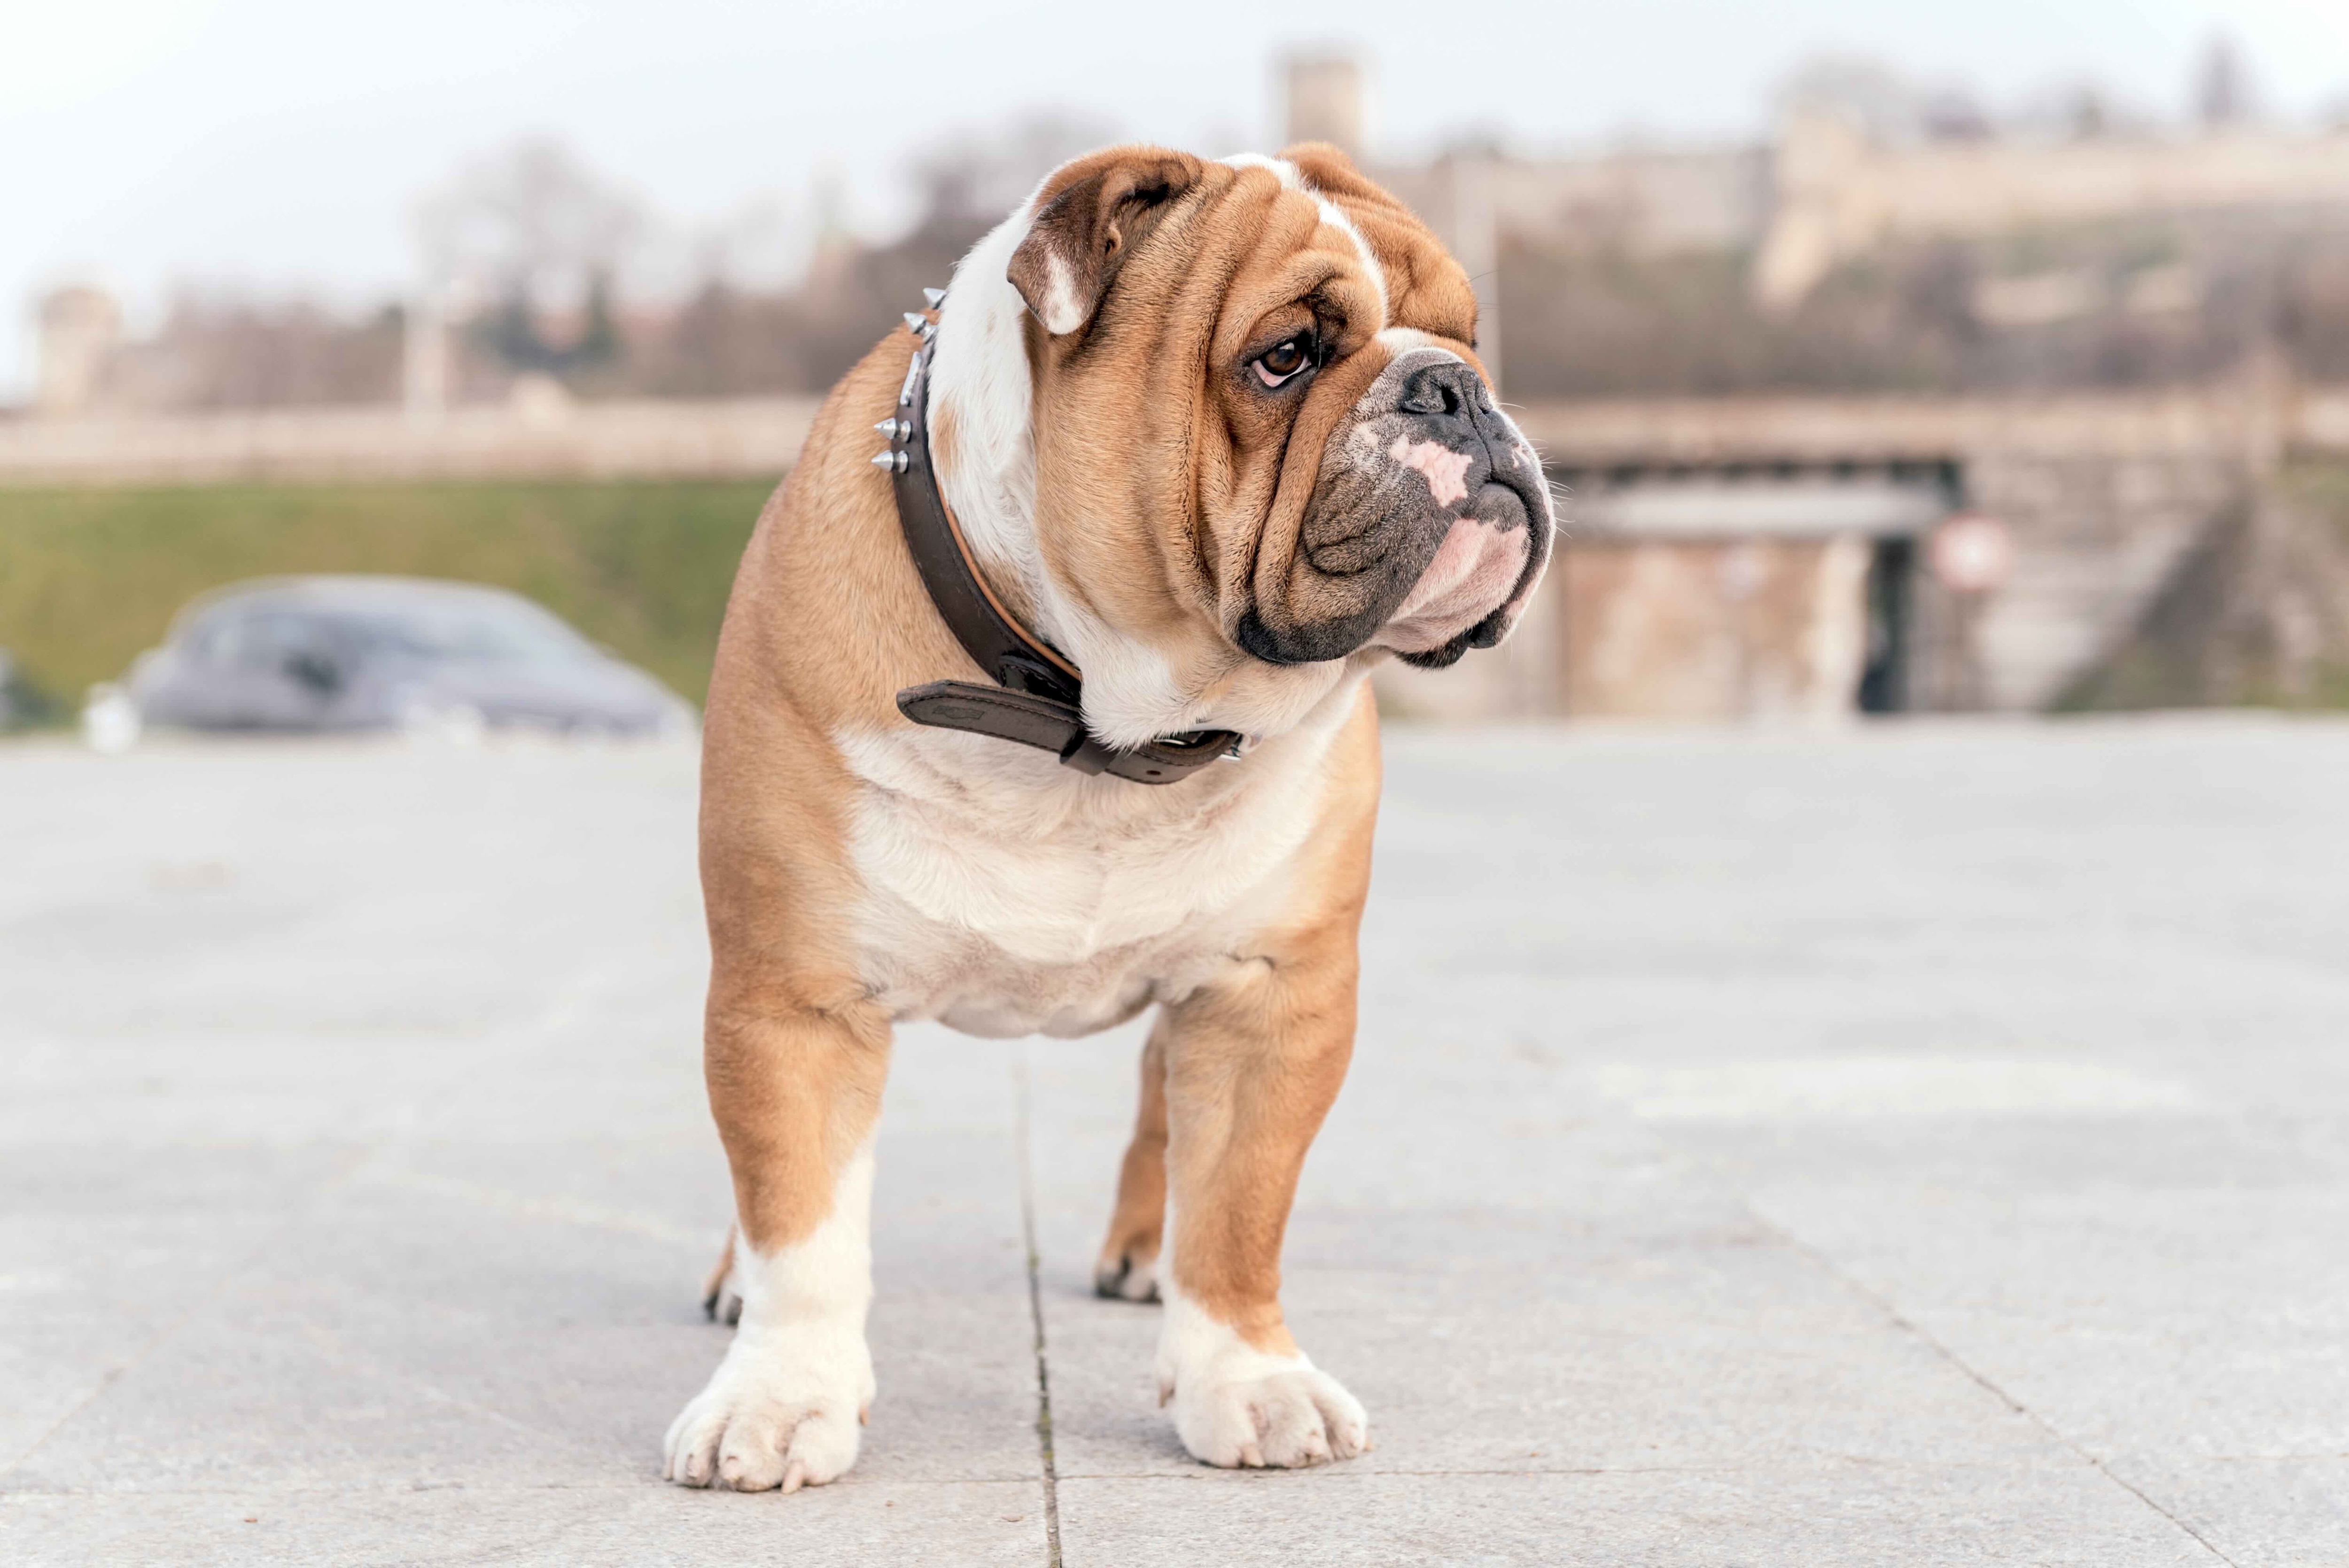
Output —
<point x="2108" y="499"/>
<point x="2100" y="536"/>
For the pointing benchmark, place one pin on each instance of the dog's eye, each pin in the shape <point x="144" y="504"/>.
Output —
<point x="1284" y="361"/>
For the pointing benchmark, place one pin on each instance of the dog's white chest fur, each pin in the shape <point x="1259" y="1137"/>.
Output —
<point x="1006" y="895"/>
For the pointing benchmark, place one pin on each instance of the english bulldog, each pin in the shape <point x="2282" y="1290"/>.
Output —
<point x="1211" y="440"/>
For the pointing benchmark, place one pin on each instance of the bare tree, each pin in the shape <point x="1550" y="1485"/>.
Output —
<point x="979" y="179"/>
<point x="534" y="233"/>
<point x="533" y="220"/>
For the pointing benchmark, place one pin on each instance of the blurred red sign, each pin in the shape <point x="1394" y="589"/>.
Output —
<point x="1972" y="553"/>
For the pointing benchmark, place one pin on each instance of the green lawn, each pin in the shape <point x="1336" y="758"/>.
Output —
<point x="89" y="577"/>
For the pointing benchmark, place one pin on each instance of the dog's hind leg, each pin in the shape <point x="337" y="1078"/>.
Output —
<point x="1128" y="1268"/>
<point x="720" y="1302"/>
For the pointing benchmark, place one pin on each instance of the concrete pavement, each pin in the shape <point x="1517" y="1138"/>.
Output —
<point x="1915" y="1145"/>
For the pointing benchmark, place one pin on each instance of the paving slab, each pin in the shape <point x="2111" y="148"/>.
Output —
<point x="863" y="1524"/>
<point x="1846" y="1516"/>
<point x="1922" y="1144"/>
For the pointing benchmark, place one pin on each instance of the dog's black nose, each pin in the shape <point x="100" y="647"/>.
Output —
<point x="1453" y="406"/>
<point x="1449" y="387"/>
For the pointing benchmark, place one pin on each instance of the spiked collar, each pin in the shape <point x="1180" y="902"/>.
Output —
<point x="1038" y="697"/>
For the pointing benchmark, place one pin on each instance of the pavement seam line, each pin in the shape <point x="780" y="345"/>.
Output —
<point x="1909" y="1326"/>
<point x="1036" y="1309"/>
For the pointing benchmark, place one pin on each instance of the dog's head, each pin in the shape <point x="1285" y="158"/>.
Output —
<point x="1226" y="424"/>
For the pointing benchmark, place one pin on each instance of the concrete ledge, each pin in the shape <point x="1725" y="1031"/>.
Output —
<point x="638" y="437"/>
<point x="724" y="437"/>
<point x="2223" y="421"/>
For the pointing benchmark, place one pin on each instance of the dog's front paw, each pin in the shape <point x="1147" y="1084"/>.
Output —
<point x="1236" y="1404"/>
<point x="1301" y="1417"/>
<point x="782" y="1410"/>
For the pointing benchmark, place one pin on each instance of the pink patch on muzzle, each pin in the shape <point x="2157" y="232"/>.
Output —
<point x="1470" y="578"/>
<point x="1446" y="471"/>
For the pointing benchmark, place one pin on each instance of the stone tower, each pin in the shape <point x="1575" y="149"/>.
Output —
<point x="79" y="327"/>
<point x="1325" y="102"/>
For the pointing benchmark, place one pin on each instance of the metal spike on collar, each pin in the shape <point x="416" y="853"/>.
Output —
<point x="893" y="461"/>
<point x="936" y="296"/>
<point x="916" y="322"/>
<point x="894" y="428"/>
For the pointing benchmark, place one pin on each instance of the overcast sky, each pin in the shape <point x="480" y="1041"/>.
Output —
<point x="281" y="144"/>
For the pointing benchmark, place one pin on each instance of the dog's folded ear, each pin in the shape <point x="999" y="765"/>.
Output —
<point x="1088" y="218"/>
<point x="1328" y="168"/>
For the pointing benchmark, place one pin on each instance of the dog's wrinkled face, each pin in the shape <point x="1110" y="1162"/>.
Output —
<point x="1427" y="526"/>
<point x="1263" y="442"/>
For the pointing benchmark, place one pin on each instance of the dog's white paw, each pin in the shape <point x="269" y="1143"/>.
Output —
<point x="782" y="1410"/>
<point x="1302" y="1416"/>
<point x="1235" y="1406"/>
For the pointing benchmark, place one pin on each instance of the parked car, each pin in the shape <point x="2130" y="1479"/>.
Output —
<point x="384" y="653"/>
<point x="21" y="702"/>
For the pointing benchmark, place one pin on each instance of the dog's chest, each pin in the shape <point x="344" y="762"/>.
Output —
<point x="1020" y="900"/>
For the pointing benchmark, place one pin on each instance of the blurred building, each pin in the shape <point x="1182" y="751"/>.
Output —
<point x="1834" y="196"/>
<point x="1824" y="190"/>
<point x="2102" y="373"/>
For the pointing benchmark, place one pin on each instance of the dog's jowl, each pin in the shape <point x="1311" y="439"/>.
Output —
<point x="1040" y="701"/>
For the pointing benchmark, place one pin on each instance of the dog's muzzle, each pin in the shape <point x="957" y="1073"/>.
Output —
<point x="1428" y="526"/>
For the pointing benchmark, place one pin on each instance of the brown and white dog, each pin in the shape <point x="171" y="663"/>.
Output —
<point x="1217" y="431"/>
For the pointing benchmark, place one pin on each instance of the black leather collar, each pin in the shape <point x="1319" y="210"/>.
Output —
<point x="1039" y="695"/>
